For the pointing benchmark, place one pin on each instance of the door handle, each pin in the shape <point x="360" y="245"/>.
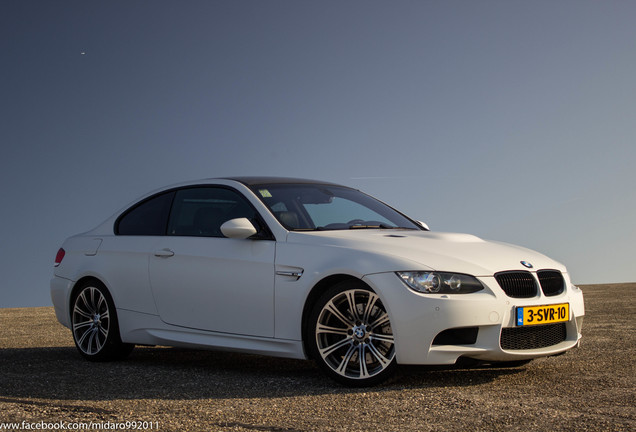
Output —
<point x="164" y="253"/>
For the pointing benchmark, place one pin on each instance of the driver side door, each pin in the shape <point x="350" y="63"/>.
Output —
<point x="202" y="280"/>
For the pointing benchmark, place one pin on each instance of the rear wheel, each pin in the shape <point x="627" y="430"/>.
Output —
<point x="350" y="335"/>
<point x="94" y="324"/>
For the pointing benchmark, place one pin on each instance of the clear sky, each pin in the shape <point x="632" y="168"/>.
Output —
<point x="511" y="120"/>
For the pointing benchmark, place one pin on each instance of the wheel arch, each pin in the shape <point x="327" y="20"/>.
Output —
<point x="78" y="285"/>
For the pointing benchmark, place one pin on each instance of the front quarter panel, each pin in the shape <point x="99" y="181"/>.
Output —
<point x="317" y="262"/>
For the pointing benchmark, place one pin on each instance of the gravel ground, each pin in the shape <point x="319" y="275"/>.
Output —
<point x="43" y="379"/>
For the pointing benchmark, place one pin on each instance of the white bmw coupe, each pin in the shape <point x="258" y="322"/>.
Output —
<point x="307" y="269"/>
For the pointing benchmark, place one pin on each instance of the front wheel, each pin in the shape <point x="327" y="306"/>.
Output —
<point x="350" y="335"/>
<point x="94" y="324"/>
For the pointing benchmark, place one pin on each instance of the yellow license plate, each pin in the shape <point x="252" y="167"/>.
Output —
<point x="535" y="315"/>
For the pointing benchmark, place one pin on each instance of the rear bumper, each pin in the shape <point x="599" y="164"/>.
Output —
<point x="60" y="292"/>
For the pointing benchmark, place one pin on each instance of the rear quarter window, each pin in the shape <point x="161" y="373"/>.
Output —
<point x="148" y="218"/>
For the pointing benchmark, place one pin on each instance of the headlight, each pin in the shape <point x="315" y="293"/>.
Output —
<point x="440" y="283"/>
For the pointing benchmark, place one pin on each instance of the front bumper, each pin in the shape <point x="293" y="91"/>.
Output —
<point x="417" y="319"/>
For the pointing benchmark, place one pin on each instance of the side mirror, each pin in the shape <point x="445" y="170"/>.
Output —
<point x="423" y="225"/>
<point x="240" y="228"/>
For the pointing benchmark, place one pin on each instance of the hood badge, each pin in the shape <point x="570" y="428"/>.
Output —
<point x="526" y="264"/>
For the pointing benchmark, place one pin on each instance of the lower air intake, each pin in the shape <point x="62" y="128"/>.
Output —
<point x="532" y="337"/>
<point x="457" y="336"/>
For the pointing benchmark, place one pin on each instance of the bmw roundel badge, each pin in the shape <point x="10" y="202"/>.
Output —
<point x="526" y="264"/>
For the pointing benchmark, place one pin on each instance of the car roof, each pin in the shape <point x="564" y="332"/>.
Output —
<point x="259" y="180"/>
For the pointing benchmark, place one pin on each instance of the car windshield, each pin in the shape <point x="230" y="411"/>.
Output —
<point x="317" y="207"/>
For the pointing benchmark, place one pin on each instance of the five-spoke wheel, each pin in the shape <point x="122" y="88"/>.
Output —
<point x="351" y="337"/>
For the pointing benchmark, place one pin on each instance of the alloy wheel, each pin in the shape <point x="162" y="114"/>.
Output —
<point x="91" y="320"/>
<point x="354" y="337"/>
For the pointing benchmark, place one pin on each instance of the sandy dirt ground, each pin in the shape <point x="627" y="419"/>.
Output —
<point x="43" y="380"/>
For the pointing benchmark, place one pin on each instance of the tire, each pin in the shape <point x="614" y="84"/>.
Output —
<point x="94" y="324"/>
<point x="348" y="324"/>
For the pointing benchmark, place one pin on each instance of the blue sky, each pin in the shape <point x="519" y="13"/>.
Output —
<point x="511" y="120"/>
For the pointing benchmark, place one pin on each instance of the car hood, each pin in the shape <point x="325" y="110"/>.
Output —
<point x="426" y="250"/>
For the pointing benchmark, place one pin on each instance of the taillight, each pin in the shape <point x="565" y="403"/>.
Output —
<point x="59" y="257"/>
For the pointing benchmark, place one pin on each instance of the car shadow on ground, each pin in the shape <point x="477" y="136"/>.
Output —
<point x="171" y="373"/>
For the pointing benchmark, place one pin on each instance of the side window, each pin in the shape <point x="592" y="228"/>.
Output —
<point x="149" y="218"/>
<point x="201" y="211"/>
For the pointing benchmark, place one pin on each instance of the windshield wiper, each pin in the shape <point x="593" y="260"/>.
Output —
<point x="342" y="226"/>
<point x="379" y="226"/>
